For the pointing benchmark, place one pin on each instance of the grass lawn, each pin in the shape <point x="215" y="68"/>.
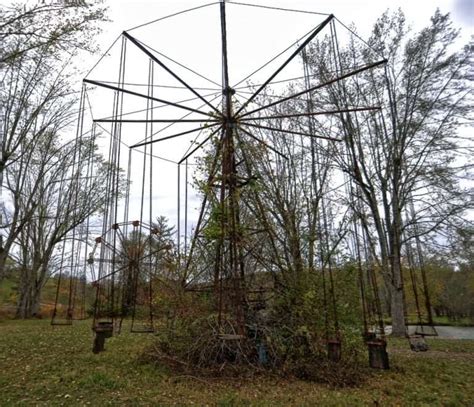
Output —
<point x="42" y="365"/>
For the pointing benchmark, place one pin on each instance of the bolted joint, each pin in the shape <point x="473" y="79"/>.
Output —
<point x="228" y="91"/>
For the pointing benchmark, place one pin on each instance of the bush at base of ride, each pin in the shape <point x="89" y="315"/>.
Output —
<point x="288" y="336"/>
<point x="179" y="307"/>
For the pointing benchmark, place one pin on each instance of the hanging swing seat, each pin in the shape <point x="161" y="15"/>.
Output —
<point x="425" y="330"/>
<point x="142" y="330"/>
<point x="61" y="323"/>
<point x="378" y="356"/>
<point x="104" y="328"/>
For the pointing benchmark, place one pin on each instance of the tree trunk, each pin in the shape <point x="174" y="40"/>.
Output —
<point x="35" y="302"/>
<point x="23" y="308"/>
<point x="3" y="262"/>
<point x="28" y="304"/>
<point x="396" y="287"/>
<point x="397" y="314"/>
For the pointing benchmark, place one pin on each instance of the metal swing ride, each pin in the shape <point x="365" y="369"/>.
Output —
<point x="126" y="257"/>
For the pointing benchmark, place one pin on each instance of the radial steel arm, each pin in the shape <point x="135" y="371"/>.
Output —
<point x="312" y="89"/>
<point x="288" y="116"/>
<point x="199" y="145"/>
<point x="169" y="137"/>
<point x="262" y="142"/>
<point x="130" y="92"/>
<point x="155" y="59"/>
<point x="295" y="53"/>
<point x="298" y="133"/>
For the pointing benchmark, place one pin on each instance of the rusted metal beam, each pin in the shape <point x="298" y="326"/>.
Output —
<point x="312" y="89"/>
<point x="130" y="92"/>
<point x="288" y="116"/>
<point x="317" y="30"/>
<point x="298" y="133"/>
<point x="199" y="145"/>
<point x="262" y="142"/>
<point x="170" y="137"/>
<point x="155" y="121"/>
<point x="155" y="59"/>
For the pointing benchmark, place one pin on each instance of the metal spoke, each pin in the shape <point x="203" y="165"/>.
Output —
<point x="155" y="121"/>
<point x="295" y="53"/>
<point x="167" y="102"/>
<point x="321" y="85"/>
<point x="166" y="105"/>
<point x="262" y="142"/>
<point x="199" y="145"/>
<point x="288" y="116"/>
<point x="155" y="59"/>
<point x="169" y="137"/>
<point x="298" y="133"/>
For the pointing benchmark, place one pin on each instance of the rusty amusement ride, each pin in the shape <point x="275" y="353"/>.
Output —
<point x="117" y="257"/>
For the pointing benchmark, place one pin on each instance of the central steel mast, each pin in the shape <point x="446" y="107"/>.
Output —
<point x="229" y="266"/>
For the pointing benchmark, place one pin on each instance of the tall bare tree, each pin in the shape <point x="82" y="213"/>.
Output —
<point x="36" y="96"/>
<point x="65" y="191"/>
<point x="409" y="155"/>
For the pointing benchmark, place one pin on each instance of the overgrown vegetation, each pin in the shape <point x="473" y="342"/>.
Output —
<point x="284" y="331"/>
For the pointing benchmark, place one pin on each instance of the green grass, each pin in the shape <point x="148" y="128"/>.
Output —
<point x="8" y="288"/>
<point x="9" y="294"/>
<point x="41" y="365"/>
<point x="465" y="321"/>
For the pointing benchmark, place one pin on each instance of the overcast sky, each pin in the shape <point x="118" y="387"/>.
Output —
<point x="129" y="13"/>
